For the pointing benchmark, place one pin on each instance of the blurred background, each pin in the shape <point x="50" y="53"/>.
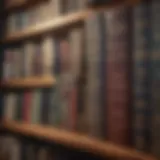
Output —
<point x="79" y="67"/>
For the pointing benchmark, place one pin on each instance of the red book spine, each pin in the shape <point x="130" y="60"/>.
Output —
<point x="117" y="100"/>
<point x="27" y="106"/>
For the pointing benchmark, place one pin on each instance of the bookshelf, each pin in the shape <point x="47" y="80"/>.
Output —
<point x="29" y="82"/>
<point x="74" y="140"/>
<point x="66" y="138"/>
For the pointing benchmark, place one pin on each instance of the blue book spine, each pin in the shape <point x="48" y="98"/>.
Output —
<point x="141" y="78"/>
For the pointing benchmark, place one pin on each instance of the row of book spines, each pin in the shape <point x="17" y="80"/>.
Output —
<point x="40" y="14"/>
<point x="35" y="107"/>
<point x="14" y="148"/>
<point x="49" y="56"/>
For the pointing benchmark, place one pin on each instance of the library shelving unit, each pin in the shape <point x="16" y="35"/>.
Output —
<point x="59" y="136"/>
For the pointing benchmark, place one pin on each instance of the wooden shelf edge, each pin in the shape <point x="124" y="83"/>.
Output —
<point x="74" y="140"/>
<point x="29" y="82"/>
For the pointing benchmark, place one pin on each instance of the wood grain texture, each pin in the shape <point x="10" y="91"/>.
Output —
<point x="74" y="140"/>
<point x="29" y="82"/>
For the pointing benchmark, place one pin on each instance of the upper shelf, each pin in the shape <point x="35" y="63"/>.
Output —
<point x="74" y="140"/>
<point x="59" y="23"/>
<point x="29" y="82"/>
<point x="52" y="25"/>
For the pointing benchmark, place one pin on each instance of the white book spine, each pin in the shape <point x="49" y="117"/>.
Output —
<point x="48" y="55"/>
<point x="29" y="52"/>
<point x="76" y="49"/>
<point x="57" y="7"/>
<point x="9" y="106"/>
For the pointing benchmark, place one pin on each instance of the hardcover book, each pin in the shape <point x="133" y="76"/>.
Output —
<point x="117" y="76"/>
<point x="140" y="77"/>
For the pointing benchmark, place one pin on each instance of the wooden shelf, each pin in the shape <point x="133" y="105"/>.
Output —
<point x="52" y="25"/>
<point x="74" y="140"/>
<point x="29" y="82"/>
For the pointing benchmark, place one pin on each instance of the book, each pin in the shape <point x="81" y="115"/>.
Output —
<point x="26" y="106"/>
<point x="18" y="62"/>
<point x="11" y="24"/>
<point x="42" y="154"/>
<point x="7" y="65"/>
<point x="31" y="152"/>
<point x="76" y="39"/>
<point x="117" y="76"/>
<point x="140" y="77"/>
<point x="57" y="7"/>
<point x="92" y="100"/>
<point x="36" y="106"/>
<point x="13" y="148"/>
<point x="48" y="55"/>
<point x="55" y="113"/>
<point x="45" y="105"/>
<point x="9" y="108"/>
<point x="37" y="61"/>
<point x="29" y="53"/>
<point x="19" y="111"/>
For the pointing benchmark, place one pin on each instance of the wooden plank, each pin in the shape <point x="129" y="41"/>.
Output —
<point x="76" y="141"/>
<point x="28" y="82"/>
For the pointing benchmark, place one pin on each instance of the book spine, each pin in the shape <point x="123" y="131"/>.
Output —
<point x="155" y="77"/>
<point x="11" y="24"/>
<point x="30" y="152"/>
<point x="37" y="61"/>
<point x="9" y="106"/>
<point x="26" y="106"/>
<point x="19" y="115"/>
<point x="48" y="55"/>
<point x="57" y="7"/>
<point x="42" y="154"/>
<point x="117" y="82"/>
<point x="140" y="76"/>
<point x="36" y="106"/>
<point x="29" y="53"/>
<point x="7" y="66"/>
<point x="77" y="51"/>
<point x="93" y="92"/>
<point x="45" y="106"/>
<point x="65" y="80"/>
<point x="55" y="109"/>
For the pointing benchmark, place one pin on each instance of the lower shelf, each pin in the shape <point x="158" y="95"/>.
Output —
<point x="74" y="140"/>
